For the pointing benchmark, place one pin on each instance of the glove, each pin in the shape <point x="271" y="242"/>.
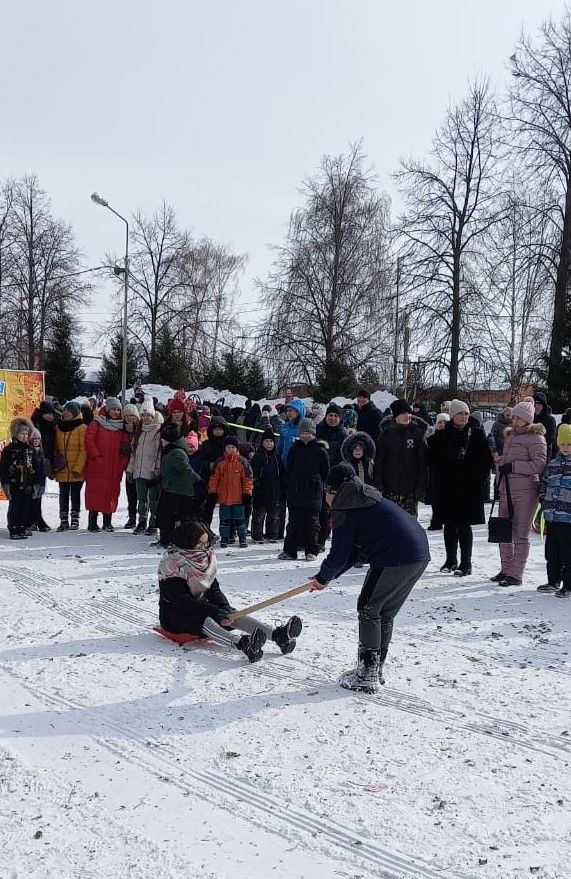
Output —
<point x="504" y="469"/>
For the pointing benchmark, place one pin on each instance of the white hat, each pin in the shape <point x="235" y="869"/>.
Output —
<point x="147" y="408"/>
<point x="457" y="406"/>
<point x="442" y="416"/>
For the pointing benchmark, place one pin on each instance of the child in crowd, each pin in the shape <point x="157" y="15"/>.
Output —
<point x="555" y="499"/>
<point x="180" y="495"/>
<point x="145" y="468"/>
<point x="231" y="484"/>
<point x="191" y="599"/>
<point x="359" y="451"/>
<point x="211" y="452"/>
<point x="307" y="469"/>
<point x="37" y="522"/>
<point x="70" y="461"/>
<point x="18" y="476"/>
<point x="270" y="484"/>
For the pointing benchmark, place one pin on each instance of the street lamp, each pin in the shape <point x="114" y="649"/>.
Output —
<point x="97" y="199"/>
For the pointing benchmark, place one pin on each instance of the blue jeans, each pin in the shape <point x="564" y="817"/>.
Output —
<point x="232" y="513"/>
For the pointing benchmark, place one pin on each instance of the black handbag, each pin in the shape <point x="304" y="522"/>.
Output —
<point x="500" y="527"/>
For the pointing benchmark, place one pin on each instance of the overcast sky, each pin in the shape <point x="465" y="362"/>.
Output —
<point x="223" y="106"/>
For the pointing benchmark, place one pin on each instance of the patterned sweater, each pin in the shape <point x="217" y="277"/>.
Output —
<point x="555" y="490"/>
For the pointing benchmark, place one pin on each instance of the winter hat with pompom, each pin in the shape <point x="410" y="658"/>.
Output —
<point x="525" y="410"/>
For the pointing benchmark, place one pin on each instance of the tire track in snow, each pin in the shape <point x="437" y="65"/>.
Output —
<point x="497" y="728"/>
<point x="161" y="760"/>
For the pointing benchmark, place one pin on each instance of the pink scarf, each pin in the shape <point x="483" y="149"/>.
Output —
<point x="196" y="566"/>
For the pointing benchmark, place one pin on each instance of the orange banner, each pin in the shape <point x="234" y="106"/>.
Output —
<point x="20" y="392"/>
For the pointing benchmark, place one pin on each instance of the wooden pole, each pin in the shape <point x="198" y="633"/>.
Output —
<point x="282" y="596"/>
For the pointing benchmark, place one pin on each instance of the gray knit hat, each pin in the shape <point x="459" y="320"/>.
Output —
<point x="457" y="406"/>
<point x="307" y="425"/>
<point x="112" y="403"/>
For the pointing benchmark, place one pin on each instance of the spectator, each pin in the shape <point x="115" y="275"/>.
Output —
<point x="70" y="464"/>
<point x="400" y="464"/>
<point x="368" y="416"/>
<point x="461" y="459"/>
<point x="501" y="424"/>
<point x="543" y="416"/>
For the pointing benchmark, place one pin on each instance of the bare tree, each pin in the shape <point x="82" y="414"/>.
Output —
<point x="517" y="264"/>
<point x="541" y="110"/>
<point x="451" y="203"/>
<point x="326" y="296"/>
<point x="181" y="292"/>
<point x="41" y="268"/>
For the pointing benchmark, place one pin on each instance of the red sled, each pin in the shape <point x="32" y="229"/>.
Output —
<point x="178" y="637"/>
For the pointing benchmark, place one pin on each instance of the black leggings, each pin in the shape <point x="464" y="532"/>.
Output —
<point x="454" y="534"/>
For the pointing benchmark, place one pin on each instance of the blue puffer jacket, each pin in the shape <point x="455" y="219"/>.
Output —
<point x="555" y="489"/>
<point x="290" y="429"/>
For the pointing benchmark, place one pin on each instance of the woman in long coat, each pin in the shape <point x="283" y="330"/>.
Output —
<point x="461" y="461"/>
<point x="108" y="448"/>
<point x="521" y="464"/>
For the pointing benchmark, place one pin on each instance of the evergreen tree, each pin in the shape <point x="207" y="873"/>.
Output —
<point x="336" y="379"/>
<point x="241" y="374"/>
<point x="168" y="366"/>
<point x="62" y="360"/>
<point x="110" y="372"/>
<point x="258" y="385"/>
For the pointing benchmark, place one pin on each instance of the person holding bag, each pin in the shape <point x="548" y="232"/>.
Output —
<point x="519" y="468"/>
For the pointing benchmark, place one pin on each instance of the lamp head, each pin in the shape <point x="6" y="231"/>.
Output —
<point x="98" y="199"/>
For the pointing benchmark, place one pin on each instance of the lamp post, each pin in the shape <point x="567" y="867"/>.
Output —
<point x="97" y="199"/>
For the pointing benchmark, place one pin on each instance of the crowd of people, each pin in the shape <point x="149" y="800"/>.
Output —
<point x="267" y="469"/>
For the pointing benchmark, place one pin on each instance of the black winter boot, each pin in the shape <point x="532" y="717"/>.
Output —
<point x="107" y="526"/>
<point x="74" y="520"/>
<point x="92" y="523"/>
<point x="252" y="645"/>
<point x="366" y="677"/>
<point x="63" y="523"/>
<point x="130" y="523"/>
<point x="141" y="526"/>
<point x="285" y="636"/>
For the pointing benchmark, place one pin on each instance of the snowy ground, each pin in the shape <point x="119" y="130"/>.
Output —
<point x="124" y="756"/>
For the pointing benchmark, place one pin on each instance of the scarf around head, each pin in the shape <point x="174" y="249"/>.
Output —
<point x="196" y="566"/>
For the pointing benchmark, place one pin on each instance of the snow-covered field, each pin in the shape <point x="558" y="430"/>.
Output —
<point x="124" y="756"/>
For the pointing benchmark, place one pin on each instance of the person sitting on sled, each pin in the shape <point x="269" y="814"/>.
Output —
<point x="191" y="599"/>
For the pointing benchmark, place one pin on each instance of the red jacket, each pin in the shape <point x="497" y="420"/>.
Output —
<point x="108" y="453"/>
<point x="231" y="479"/>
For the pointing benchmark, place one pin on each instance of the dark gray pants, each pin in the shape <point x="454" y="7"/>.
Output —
<point x="384" y="592"/>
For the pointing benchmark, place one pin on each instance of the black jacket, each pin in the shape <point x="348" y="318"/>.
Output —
<point x="180" y="611"/>
<point x="369" y="420"/>
<point x="307" y="469"/>
<point x="334" y="437"/>
<point x="19" y="467"/>
<point x="549" y="424"/>
<point x="461" y="460"/>
<point x="400" y="464"/>
<point x="270" y="478"/>
<point x="212" y="449"/>
<point x="48" y="433"/>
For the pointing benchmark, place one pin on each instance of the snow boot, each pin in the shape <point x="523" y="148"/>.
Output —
<point x="498" y="577"/>
<point x="285" y="636"/>
<point x="92" y="523"/>
<point x="43" y="527"/>
<point x="510" y="581"/>
<point x="107" y="526"/>
<point x="18" y="534"/>
<point x="448" y="567"/>
<point x="130" y="523"/>
<point x="464" y="572"/>
<point x="285" y="557"/>
<point x="74" y="526"/>
<point x="563" y="593"/>
<point x="549" y="587"/>
<point x="141" y="527"/>
<point x="63" y="523"/>
<point x="366" y="677"/>
<point x="152" y="527"/>
<point x="243" y="543"/>
<point x="252" y="645"/>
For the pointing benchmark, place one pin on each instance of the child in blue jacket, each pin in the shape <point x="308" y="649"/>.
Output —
<point x="555" y="499"/>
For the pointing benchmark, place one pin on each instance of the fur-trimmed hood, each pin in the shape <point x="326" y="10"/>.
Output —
<point x="359" y="438"/>
<point x="531" y="428"/>
<point x="19" y="422"/>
